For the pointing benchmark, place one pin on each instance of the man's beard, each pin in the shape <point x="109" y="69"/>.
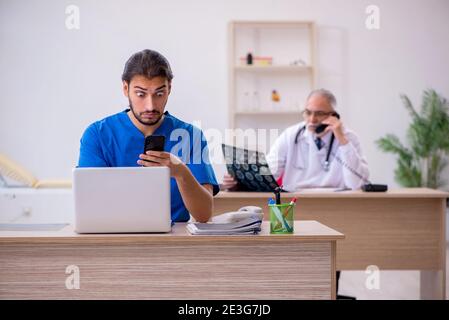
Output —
<point x="141" y="120"/>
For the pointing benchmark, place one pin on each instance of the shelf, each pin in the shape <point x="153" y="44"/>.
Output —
<point x="292" y="69"/>
<point x="283" y="42"/>
<point x="273" y="24"/>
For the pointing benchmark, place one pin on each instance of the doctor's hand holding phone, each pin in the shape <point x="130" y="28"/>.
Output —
<point x="334" y="124"/>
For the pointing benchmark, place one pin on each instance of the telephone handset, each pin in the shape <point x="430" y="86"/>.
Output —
<point x="320" y="128"/>
<point x="242" y="213"/>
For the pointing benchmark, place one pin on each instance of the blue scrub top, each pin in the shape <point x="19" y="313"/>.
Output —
<point x="116" y="142"/>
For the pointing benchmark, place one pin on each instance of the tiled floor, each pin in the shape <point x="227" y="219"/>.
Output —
<point x="402" y="285"/>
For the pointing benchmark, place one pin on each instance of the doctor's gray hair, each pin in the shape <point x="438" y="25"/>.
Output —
<point x="326" y="94"/>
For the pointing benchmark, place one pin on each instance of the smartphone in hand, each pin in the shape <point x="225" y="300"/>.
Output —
<point x="154" y="143"/>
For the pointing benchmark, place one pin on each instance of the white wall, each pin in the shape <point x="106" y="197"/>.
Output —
<point x="54" y="81"/>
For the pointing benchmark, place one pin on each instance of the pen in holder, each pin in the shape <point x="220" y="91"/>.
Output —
<point x="281" y="218"/>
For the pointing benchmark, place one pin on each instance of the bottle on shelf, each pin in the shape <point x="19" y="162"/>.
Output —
<point x="246" y="102"/>
<point x="255" y="104"/>
<point x="249" y="58"/>
<point x="275" y="98"/>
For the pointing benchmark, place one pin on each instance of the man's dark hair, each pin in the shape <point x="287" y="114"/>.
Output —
<point x="148" y="63"/>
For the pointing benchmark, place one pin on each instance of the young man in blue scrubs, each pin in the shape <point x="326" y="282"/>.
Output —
<point x="118" y="140"/>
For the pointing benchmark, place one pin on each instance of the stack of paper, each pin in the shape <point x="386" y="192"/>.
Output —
<point x="250" y="225"/>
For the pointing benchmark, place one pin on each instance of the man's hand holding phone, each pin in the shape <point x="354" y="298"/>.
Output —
<point x="164" y="159"/>
<point x="155" y="156"/>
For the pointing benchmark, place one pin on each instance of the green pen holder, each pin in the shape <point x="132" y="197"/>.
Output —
<point x="282" y="218"/>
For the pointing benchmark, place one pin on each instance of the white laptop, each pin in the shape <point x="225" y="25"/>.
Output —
<point x="122" y="200"/>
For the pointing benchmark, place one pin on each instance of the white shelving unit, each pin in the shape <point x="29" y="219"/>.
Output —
<point x="251" y="86"/>
<point x="273" y="69"/>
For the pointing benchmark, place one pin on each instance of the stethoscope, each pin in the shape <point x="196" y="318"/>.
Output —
<point x="326" y="165"/>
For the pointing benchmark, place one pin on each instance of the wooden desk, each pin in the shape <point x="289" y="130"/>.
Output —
<point x="170" y="266"/>
<point x="400" y="229"/>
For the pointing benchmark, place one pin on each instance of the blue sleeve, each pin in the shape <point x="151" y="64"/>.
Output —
<point x="200" y="162"/>
<point x="91" y="154"/>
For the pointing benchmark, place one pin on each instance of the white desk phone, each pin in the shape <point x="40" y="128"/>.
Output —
<point x="240" y="214"/>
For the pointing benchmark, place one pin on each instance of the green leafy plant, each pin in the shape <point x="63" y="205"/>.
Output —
<point x="421" y="164"/>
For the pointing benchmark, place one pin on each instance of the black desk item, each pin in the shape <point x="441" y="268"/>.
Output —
<point x="369" y="187"/>
<point x="249" y="168"/>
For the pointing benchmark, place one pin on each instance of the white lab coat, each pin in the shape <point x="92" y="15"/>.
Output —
<point x="302" y="165"/>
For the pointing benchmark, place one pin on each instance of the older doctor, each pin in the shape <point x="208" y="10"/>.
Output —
<point x="302" y="158"/>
